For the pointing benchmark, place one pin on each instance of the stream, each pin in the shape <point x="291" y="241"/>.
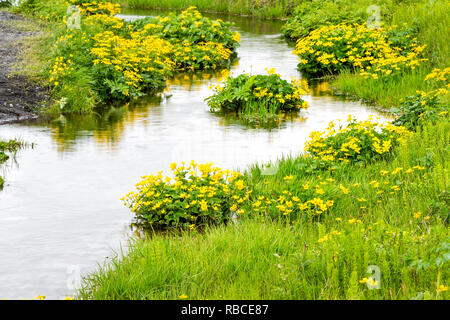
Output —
<point x="60" y="210"/>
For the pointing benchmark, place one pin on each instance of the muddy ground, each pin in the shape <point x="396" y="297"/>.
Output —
<point x="20" y="99"/>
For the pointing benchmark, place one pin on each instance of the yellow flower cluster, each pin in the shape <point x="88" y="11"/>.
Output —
<point x="198" y="42"/>
<point x="205" y="54"/>
<point x="426" y="106"/>
<point x="198" y="194"/>
<point x="289" y="204"/>
<point x="439" y="75"/>
<point x="133" y="57"/>
<point x="358" y="141"/>
<point x="259" y="95"/>
<point x="95" y="7"/>
<point x="61" y="68"/>
<point x="104" y="20"/>
<point x="330" y="49"/>
<point x="440" y="79"/>
<point x="125" y="59"/>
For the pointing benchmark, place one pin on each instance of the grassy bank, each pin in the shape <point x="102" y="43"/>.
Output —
<point x="265" y="9"/>
<point x="404" y="233"/>
<point x="431" y="21"/>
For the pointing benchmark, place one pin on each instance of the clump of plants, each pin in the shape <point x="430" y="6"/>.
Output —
<point x="374" y="53"/>
<point x="426" y="106"/>
<point x="197" y="41"/>
<point x="128" y="67"/>
<point x="8" y="148"/>
<point x="259" y="95"/>
<point x="199" y="194"/>
<point x="11" y="146"/>
<point x="357" y="142"/>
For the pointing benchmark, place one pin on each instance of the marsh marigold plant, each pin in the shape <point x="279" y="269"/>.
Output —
<point x="197" y="41"/>
<point x="426" y="105"/>
<point x="358" y="141"/>
<point x="106" y="58"/>
<point x="198" y="194"/>
<point x="375" y="53"/>
<point x="259" y="94"/>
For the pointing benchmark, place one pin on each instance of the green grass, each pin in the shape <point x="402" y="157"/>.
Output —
<point x="387" y="94"/>
<point x="7" y="149"/>
<point x="273" y="259"/>
<point x="265" y="9"/>
<point x="431" y="20"/>
<point x="11" y="147"/>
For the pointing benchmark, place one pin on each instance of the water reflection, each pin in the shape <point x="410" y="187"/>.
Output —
<point x="105" y="126"/>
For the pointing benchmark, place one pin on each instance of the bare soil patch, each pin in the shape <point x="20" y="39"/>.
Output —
<point x="20" y="98"/>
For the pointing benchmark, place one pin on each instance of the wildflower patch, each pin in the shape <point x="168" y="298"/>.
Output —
<point x="109" y="59"/>
<point x="259" y="94"/>
<point x="198" y="194"/>
<point x="375" y="53"/>
<point x="358" y="141"/>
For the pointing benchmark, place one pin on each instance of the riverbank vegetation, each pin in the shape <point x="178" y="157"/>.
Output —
<point x="404" y="22"/>
<point x="391" y="214"/>
<point x="313" y="14"/>
<point x="94" y="57"/>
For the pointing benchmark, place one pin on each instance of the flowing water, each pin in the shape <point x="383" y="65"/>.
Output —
<point x="60" y="212"/>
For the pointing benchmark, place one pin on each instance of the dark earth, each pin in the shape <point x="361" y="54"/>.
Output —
<point x="20" y="99"/>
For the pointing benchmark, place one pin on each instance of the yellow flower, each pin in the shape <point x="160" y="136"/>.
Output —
<point x="183" y="296"/>
<point x="240" y="184"/>
<point x="443" y="288"/>
<point x="397" y="170"/>
<point x="344" y="189"/>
